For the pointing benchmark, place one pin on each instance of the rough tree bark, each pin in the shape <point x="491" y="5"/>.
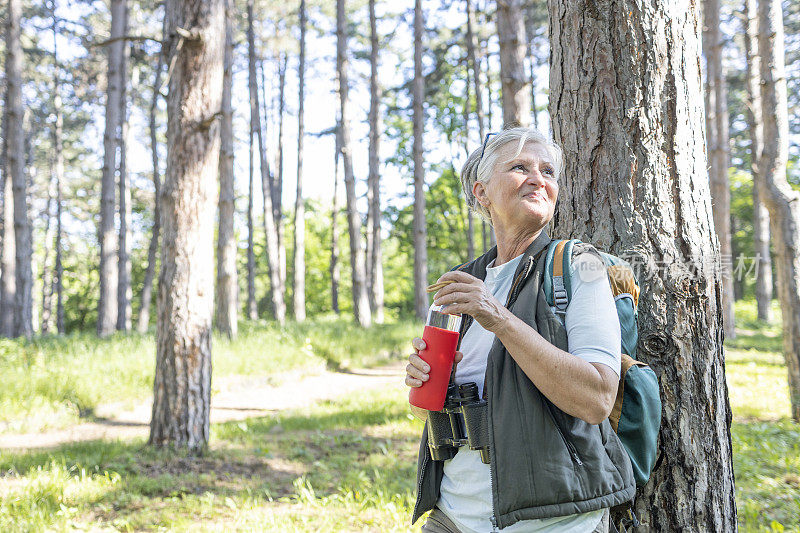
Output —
<point x="360" y="300"/>
<point x="299" y="289"/>
<point x="182" y="388"/>
<point x="334" y="264"/>
<point x="755" y="125"/>
<point x="375" y="255"/>
<point x="420" y="230"/>
<point x="716" y="99"/>
<point x="17" y="276"/>
<point x="124" y="295"/>
<point x="636" y="185"/>
<point x="227" y="289"/>
<point x="152" y="248"/>
<point x="273" y="259"/>
<point x="511" y="34"/>
<point x="107" y="302"/>
<point x="778" y="195"/>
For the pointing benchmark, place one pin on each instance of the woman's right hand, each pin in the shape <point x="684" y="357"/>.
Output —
<point x="417" y="369"/>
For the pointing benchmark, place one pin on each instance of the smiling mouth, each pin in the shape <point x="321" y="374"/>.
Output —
<point x="536" y="196"/>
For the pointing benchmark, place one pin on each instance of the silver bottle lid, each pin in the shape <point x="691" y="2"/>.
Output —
<point x="439" y="318"/>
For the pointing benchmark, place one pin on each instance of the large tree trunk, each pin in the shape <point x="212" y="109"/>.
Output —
<point x="299" y="289"/>
<point x="375" y="255"/>
<point x="511" y="34"/>
<point x="124" y="249"/>
<point x="360" y="300"/>
<point x="631" y="127"/>
<point x="755" y="125"/>
<point x="152" y="249"/>
<point x="334" y="263"/>
<point x="273" y="259"/>
<point x="779" y="197"/>
<point x="716" y="99"/>
<point x="182" y="389"/>
<point x="420" y="230"/>
<point x="107" y="302"/>
<point x="17" y="276"/>
<point x="227" y="292"/>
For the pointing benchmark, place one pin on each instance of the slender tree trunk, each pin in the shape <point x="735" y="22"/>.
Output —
<point x="107" y="302"/>
<point x="465" y="117"/>
<point x="475" y="65"/>
<point x="299" y="290"/>
<point x="278" y="190"/>
<point x="532" y="61"/>
<point x="124" y="250"/>
<point x="59" y="275"/>
<point x="8" y="279"/>
<point x="360" y="300"/>
<point x="47" y="275"/>
<point x="645" y="165"/>
<point x="278" y="305"/>
<point x="511" y="33"/>
<point x="252" y="310"/>
<point x="56" y="284"/>
<point x="152" y="249"/>
<point x="755" y="125"/>
<point x="777" y="194"/>
<point x="334" y="263"/>
<point x="227" y="300"/>
<point x="420" y="230"/>
<point x="375" y="258"/>
<point x="182" y="388"/>
<point x="276" y="185"/>
<point x="719" y="153"/>
<point x="17" y="276"/>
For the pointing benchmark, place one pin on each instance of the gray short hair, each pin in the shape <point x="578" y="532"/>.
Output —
<point x="480" y="169"/>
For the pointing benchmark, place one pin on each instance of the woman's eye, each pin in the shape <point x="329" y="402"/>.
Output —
<point x="521" y="167"/>
<point x="548" y="171"/>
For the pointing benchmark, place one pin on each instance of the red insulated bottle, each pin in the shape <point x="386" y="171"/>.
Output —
<point x="441" y="338"/>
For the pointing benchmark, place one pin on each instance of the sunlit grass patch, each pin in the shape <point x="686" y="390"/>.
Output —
<point x="54" y="381"/>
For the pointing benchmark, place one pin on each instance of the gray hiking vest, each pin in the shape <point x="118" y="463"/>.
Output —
<point x="544" y="462"/>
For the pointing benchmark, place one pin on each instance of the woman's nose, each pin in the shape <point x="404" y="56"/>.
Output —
<point x="536" y="178"/>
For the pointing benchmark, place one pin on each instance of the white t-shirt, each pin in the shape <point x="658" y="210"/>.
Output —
<point x="593" y="334"/>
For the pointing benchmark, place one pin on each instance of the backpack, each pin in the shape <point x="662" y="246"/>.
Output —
<point x="636" y="416"/>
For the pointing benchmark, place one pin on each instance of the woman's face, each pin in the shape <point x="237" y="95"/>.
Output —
<point x="521" y="194"/>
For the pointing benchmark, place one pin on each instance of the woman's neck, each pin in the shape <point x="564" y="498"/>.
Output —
<point x="512" y="244"/>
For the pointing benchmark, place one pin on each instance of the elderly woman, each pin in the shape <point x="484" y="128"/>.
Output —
<point x="550" y="379"/>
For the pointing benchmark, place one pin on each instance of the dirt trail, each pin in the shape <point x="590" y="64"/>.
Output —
<point x="236" y="398"/>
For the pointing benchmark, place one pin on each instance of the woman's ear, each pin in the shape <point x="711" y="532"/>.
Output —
<point x="479" y="191"/>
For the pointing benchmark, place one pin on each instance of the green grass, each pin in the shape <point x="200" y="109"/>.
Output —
<point x="347" y="465"/>
<point x="53" y="381"/>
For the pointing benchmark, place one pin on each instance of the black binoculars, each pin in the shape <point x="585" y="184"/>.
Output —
<point x="464" y="421"/>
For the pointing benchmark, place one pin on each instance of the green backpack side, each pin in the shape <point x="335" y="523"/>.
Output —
<point x="636" y="416"/>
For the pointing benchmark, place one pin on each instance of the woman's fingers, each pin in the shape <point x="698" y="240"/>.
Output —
<point x="452" y="298"/>
<point x="418" y="344"/>
<point x="416" y="371"/>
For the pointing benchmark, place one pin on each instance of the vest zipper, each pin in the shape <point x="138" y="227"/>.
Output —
<point x="570" y="447"/>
